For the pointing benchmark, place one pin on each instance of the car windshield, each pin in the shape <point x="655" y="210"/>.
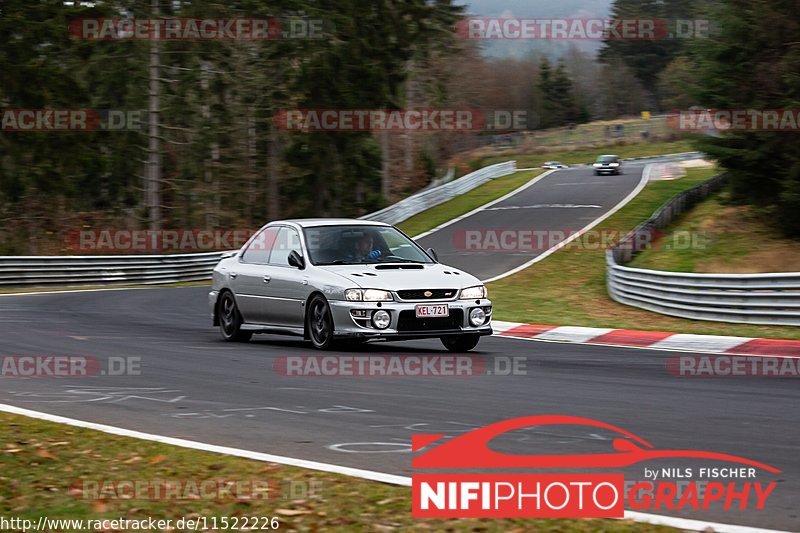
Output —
<point x="607" y="159"/>
<point x="348" y="245"/>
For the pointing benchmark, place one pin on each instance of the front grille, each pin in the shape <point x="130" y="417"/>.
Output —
<point x="436" y="294"/>
<point x="408" y="321"/>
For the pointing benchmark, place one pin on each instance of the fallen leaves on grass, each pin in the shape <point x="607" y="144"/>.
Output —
<point x="291" y="512"/>
<point x="44" y="454"/>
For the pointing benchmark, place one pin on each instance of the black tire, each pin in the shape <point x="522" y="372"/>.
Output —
<point x="230" y="319"/>
<point x="596" y="173"/>
<point x="460" y="343"/>
<point x="319" y="323"/>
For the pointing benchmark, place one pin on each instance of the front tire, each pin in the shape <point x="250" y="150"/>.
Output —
<point x="230" y="320"/>
<point x="319" y="322"/>
<point x="460" y="343"/>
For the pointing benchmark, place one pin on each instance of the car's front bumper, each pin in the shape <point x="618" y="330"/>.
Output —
<point x="606" y="170"/>
<point x="404" y="324"/>
<point x="212" y="305"/>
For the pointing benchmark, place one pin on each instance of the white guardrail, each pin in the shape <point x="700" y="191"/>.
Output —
<point x="428" y="198"/>
<point x="73" y="270"/>
<point x="76" y="270"/>
<point x="742" y="298"/>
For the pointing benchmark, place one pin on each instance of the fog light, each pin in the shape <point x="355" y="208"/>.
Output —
<point x="381" y="319"/>
<point x="476" y="317"/>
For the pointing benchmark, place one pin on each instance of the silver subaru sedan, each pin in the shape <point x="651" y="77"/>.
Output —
<point x="334" y="281"/>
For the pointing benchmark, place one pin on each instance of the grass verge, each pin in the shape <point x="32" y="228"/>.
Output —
<point x="48" y="469"/>
<point x="466" y="202"/>
<point x="568" y="288"/>
<point x="716" y="236"/>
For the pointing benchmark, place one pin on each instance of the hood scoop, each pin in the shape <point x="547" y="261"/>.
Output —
<point x="399" y="266"/>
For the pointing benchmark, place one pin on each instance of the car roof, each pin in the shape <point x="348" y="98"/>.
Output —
<point x="311" y="222"/>
<point x="608" y="155"/>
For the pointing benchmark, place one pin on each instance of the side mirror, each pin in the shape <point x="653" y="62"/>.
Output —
<point x="296" y="260"/>
<point x="432" y="253"/>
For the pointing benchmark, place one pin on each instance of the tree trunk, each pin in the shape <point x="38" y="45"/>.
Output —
<point x="153" y="171"/>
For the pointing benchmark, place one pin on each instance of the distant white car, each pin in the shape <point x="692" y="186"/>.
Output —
<point x="554" y="165"/>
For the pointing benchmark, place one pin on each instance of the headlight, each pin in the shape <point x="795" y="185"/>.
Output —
<point x="613" y="164"/>
<point x="595" y="164"/>
<point x="367" y="295"/>
<point x="473" y="293"/>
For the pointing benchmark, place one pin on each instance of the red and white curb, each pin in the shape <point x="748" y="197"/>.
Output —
<point x="655" y="340"/>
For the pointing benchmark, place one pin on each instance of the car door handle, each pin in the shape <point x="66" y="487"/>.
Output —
<point x="267" y="279"/>
<point x="232" y="275"/>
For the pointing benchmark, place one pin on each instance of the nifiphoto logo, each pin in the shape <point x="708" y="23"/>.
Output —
<point x="602" y="493"/>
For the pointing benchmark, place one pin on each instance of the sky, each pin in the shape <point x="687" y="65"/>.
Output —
<point x="532" y="9"/>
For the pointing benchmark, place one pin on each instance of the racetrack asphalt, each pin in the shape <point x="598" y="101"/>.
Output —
<point x="560" y="203"/>
<point x="194" y="386"/>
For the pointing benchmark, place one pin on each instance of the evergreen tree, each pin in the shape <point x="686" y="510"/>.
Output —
<point x="558" y="104"/>
<point x="755" y="64"/>
<point x="647" y="58"/>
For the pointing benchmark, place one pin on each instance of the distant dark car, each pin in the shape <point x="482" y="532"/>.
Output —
<point x="607" y="164"/>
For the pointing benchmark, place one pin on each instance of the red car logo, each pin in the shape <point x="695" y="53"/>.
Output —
<point x="471" y="450"/>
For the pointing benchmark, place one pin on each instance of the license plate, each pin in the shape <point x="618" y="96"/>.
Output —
<point x="424" y="311"/>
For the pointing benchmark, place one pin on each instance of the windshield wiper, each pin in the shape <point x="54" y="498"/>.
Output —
<point x="400" y="260"/>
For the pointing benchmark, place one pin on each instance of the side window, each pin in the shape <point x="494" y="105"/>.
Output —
<point x="287" y="240"/>
<point x="259" y="248"/>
